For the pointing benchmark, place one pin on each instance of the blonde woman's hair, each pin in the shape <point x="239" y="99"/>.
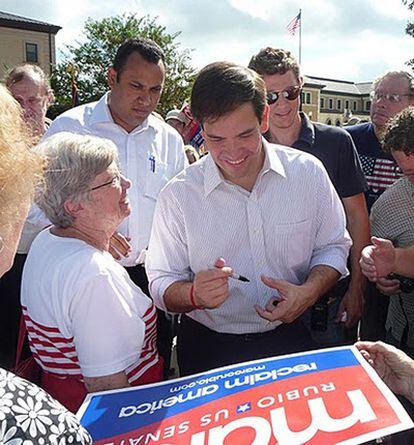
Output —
<point x="20" y="167"/>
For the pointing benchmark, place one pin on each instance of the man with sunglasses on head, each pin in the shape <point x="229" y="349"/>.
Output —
<point x="392" y="93"/>
<point x="342" y="307"/>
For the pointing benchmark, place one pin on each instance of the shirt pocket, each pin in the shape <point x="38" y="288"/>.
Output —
<point x="293" y="243"/>
<point x="157" y="175"/>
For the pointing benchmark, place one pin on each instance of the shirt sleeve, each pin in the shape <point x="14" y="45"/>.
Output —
<point x="108" y="337"/>
<point x="332" y="242"/>
<point x="351" y="179"/>
<point x="167" y="260"/>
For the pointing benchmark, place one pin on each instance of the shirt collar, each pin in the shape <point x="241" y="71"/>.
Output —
<point x="213" y="176"/>
<point x="307" y="132"/>
<point x="101" y="114"/>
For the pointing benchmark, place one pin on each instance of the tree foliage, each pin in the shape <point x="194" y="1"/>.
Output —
<point x="409" y="29"/>
<point x="92" y="59"/>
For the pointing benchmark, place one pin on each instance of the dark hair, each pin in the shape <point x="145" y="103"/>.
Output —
<point x="221" y="87"/>
<point x="274" y="61"/>
<point x="399" y="133"/>
<point x="147" y="49"/>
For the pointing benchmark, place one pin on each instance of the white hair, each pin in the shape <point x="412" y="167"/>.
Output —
<point x="73" y="162"/>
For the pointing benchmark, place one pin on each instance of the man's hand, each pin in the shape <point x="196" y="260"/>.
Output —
<point x="352" y="305"/>
<point x="291" y="302"/>
<point x="211" y="288"/>
<point x="387" y="286"/>
<point x="394" y="367"/>
<point x="119" y="246"/>
<point x="378" y="260"/>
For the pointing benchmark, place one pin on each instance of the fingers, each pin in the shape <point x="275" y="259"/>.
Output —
<point x="220" y="262"/>
<point x="114" y="253"/>
<point x="279" y="285"/>
<point x="388" y="287"/>
<point x="211" y="287"/>
<point x="120" y="245"/>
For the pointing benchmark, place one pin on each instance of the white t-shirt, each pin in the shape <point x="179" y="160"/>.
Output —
<point x="84" y="315"/>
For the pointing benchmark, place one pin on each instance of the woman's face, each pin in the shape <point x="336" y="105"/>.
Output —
<point x="108" y="205"/>
<point x="10" y="235"/>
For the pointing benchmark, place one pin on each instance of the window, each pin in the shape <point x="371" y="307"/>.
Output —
<point x="354" y="106"/>
<point x="328" y="122"/>
<point x="322" y="102"/>
<point x="338" y="123"/>
<point x="31" y="52"/>
<point x="338" y="104"/>
<point x="367" y="105"/>
<point x="308" y="98"/>
<point x="347" y="104"/>
<point x="330" y="105"/>
<point x="302" y="97"/>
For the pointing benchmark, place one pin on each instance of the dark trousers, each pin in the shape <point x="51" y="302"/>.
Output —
<point x="165" y="328"/>
<point x="202" y="349"/>
<point x="10" y="311"/>
<point x="375" y="314"/>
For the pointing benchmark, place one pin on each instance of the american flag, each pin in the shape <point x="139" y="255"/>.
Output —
<point x="380" y="173"/>
<point x="294" y="24"/>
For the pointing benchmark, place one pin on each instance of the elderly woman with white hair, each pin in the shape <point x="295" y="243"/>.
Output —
<point x="90" y="327"/>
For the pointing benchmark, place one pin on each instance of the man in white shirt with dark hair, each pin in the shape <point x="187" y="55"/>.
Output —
<point x="150" y="151"/>
<point x="269" y="212"/>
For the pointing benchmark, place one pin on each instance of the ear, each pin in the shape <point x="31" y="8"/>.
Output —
<point x="301" y="81"/>
<point x="111" y="77"/>
<point x="73" y="208"/>
<point x="50" y="97"/>
<point x="264" y="124"/>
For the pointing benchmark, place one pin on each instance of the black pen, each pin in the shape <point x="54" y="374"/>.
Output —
<point x="236" y="276"/>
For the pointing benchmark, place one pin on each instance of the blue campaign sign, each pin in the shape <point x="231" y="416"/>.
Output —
<point x="255" y="390"/>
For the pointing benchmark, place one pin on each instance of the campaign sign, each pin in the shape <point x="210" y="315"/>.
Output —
<point x="330" y="396"/>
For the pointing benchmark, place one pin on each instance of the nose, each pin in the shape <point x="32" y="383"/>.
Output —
<point x="125" y="182"/>
<point x="144" y="97"/>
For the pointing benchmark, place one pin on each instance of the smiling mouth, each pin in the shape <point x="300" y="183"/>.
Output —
<point x="237" y="162"/>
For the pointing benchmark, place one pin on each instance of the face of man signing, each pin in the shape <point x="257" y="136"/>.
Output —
<point x="284" y="113"/>
<point x="34" y="98"/>
<point x="234" y="141"/>
<point x="137" y="92"/>
<point x="383" y="108"/>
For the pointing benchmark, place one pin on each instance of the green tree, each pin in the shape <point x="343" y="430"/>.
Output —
<point x="92" y="59"/>
<point x="409" y="29"/>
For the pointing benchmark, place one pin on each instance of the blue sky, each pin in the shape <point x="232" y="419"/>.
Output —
<point x="352" y="40"/>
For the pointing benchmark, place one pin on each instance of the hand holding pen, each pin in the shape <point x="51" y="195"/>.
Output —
<point x="210" y="286"/>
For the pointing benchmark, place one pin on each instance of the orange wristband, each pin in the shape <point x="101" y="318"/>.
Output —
<point x="192" y="298"/>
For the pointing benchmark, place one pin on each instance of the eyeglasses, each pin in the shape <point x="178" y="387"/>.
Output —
<point x="290" y="93"/>
<point x="115" y="181"/>
<point x="390" y="97"/>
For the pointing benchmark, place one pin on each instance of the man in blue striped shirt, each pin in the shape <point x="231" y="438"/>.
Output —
<point x="266" y="212"/>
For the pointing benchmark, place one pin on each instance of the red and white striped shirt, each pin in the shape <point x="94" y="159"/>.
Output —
<point x="57" y="354"/>
<point x="84" y="315"/>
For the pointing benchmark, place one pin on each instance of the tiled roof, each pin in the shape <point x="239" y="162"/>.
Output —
<point x="9" y="20"/>
<point x="339" y="86"/>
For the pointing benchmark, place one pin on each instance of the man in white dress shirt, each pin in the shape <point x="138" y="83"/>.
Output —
<point x="150" y="151"/>
<point x="266" y="212"/>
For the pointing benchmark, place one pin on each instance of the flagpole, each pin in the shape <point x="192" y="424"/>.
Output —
<point x="300" y="37"/>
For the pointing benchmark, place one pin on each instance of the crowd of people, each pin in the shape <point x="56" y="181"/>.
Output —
<point x="251" y="251"/>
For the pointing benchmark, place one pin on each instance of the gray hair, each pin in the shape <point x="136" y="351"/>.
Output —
<point x="29" y="71"/>
<point x="405" y="74"/>
<point x="73" y="162"/>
